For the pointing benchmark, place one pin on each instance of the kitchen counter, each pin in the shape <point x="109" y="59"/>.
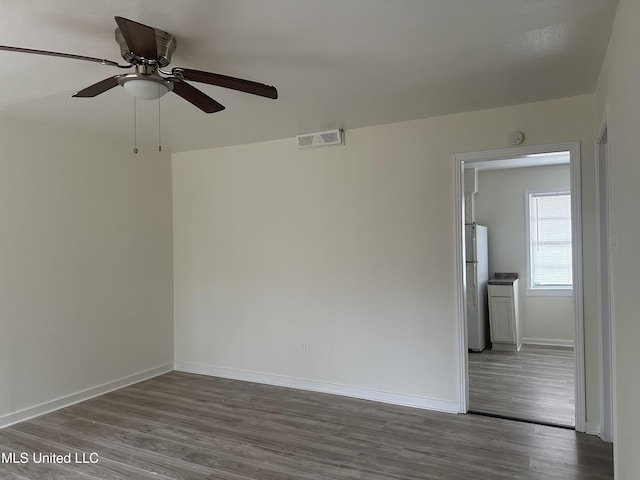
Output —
<point x="503" y="279"/>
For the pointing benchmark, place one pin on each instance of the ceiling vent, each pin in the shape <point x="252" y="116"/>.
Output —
<point x="320" y="139"/>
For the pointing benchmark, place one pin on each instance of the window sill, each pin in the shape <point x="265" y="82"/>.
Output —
<point x="549" y="292"/>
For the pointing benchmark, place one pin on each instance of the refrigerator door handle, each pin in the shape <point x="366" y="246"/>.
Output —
<point x="472" y="283"/>
<point x="475" y="284"/>
<point x="475" y="249"/>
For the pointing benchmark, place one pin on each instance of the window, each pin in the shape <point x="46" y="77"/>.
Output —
<point x="549" y="241"/>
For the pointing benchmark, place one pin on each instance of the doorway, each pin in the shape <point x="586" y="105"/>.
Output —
<point x="510" y="158"/>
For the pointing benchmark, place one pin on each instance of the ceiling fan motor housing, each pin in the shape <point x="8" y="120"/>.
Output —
<point x="165" y="44"/>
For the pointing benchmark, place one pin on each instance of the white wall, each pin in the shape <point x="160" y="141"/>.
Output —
<point x="86" y="270"/>
<point x="619" y="88"/>
<point x="500" y="205"/>
<point x="351" y="248"/>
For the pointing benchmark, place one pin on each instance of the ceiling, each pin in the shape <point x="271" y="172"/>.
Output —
<point x="335" y="63"/>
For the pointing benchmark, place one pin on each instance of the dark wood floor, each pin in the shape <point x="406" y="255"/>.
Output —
<point x="184" y="426"/>
<point x="536" y="383"/>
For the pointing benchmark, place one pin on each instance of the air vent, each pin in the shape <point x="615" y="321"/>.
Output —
<point x="320" y="139"/>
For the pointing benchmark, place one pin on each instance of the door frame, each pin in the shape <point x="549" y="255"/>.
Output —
<point x="576" y="237"/>
<point x="605" y="280"/>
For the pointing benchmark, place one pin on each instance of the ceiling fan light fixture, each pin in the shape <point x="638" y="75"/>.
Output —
<point x="145" y="87"/>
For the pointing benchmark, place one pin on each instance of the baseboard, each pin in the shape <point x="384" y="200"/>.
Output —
<point x="552" y="342"/>
<point x="592" y="428"/>
<point x="58" y="403"/>
<point x="319" y="386"/>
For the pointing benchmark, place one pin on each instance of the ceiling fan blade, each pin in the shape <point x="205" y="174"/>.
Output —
<point x="141" y="39"/>
<point x="63" y="55"/>
<point x="246" y="86"/>
<point x="98" y="88"/>
<point x="196" y="97"/>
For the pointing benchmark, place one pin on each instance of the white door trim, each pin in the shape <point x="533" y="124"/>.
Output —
<point x="576" y="225"/>
<point x="605" y="343"/>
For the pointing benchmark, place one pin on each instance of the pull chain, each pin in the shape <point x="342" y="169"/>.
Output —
<point x="135" y="127"/>
<point x="159" y="129"/>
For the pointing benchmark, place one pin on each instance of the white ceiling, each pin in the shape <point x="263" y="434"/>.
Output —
<point x="335" y="63"/>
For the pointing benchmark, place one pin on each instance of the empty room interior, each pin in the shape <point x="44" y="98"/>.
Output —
<point x="319" y="240"/>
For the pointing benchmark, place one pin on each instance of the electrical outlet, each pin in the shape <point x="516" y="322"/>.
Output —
<point x="302" y="346"/>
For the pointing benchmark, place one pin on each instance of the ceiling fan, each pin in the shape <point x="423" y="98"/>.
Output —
<point x="148" y="50"/>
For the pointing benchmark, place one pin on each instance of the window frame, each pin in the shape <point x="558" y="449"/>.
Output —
<point x="548" y="291"/>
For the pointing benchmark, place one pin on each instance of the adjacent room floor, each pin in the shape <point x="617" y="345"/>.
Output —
<point x="536" y="383"/>
<point x="188" y="427"/>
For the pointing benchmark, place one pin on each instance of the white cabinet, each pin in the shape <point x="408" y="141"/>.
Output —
<point x="504" y="317"/>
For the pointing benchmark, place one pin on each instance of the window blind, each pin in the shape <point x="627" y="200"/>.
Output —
<point x="550" y="240"/>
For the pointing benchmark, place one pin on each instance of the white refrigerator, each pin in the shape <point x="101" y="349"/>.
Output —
<point x="477" y="266"/>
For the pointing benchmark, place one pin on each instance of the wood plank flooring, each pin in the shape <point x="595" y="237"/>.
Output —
<point x="536" y="383"/>
<point x="188" y="427"/>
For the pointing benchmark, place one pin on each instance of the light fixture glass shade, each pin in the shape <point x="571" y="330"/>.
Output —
<point x="145" y="89"/>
